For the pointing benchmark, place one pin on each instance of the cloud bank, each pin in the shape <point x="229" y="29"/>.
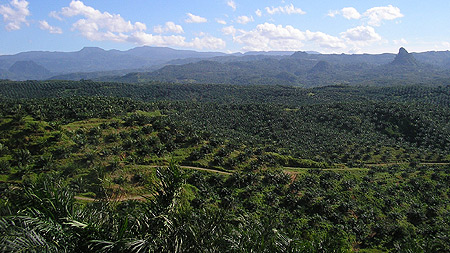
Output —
<point x="43" y="25"/>
<point x="232" y="4"/>
<point x="104" y="26"/>
<point x="288" y="9"/>
<point x="244" y="19"/>
<point x="15" y="14"/>
<point x="169" y="27"/>
<point x="268" y="36"/>
<point x="97" y="25"/>
<point x="374" y="16"/>
<point x="195" y="19"/>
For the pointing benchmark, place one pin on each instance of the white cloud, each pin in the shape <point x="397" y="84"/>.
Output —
<point x="325" y="40"/>
<point x="95" y="32"/>
<point x="333" y="13"/>
<point x="103" y="26"/>
<point x="43" y="25"/>
<point x="350" y="13"/>
<point x="97" y="25"/>
<point x="195" y="19"/>
<point x="347" y="12"/>
<point x="207" y="42"/>
<point x="270" y="37"/>
<point x="169" y="27"/>
<point x="377" y="14"/>
<point x="229" y="30"/>
<point x="361" y="35"/>
<point x="55" y="14"/>
<point x="258" y="13"/>
<point x="158" y="29"/>
<point x="288" y="9"/>
<point x="244" y="19"/>
<point x="401" y="41"/>
<point x="267" y="36"/>
<point x="143" y="38"/>
<point x="15" y="14"/>
<point x="232" y="4"/>
<point x="221" y="21"/>
<point x="204" y="42"/>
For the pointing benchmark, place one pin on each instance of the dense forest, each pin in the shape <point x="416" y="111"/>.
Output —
<point x="158" y="167"/>
<point x="301" y="69"/>
<point x="291" y="71"/>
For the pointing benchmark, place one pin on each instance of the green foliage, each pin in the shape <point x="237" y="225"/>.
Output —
<point x="155" y="91"/>
<point x="299" y="69"/>
<point x="333" y="169"/>
<point x="333" y="133"/>
<point x="264" y="212"/>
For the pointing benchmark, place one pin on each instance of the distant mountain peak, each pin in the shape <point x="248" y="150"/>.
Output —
<point x="91" y="49"/>
<point x="321" y="66"/>
<point x="300" y="55"/>
<point x="402" y="50"/>
<point x="29" y="70"/>
<point x="403" y="58"/>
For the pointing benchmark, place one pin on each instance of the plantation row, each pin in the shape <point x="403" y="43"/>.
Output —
<point x="303" y="170"/>
<point x="288" y="95"/>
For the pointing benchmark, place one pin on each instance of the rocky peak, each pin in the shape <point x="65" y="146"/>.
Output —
<point x="404" y="58"/>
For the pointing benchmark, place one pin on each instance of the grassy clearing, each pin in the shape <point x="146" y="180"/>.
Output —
<point x="156" y="113"/>
<point x="89" y="123"/>
<point x="4" y="178"/>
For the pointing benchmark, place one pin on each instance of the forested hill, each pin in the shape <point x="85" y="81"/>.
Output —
<point x="184" y="66"/>
<point x="93" y="59"/>
<point x="302" y="69"/>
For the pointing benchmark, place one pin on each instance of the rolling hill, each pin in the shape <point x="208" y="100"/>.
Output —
<point x="301" y="69"/>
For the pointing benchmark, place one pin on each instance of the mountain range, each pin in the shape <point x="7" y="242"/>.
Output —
<point x="93" y="59"/>
<point x="143" y="64"/>
<point x="304" y="69"/>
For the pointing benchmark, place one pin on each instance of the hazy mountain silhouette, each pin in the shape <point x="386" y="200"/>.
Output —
<point x="29" y="70"/>
<point x="252" y="67"/>
<point x="403" y="58"/>
<point x="321" y="67"/>
<point x="301" y="69"/>
<point x="92" y="59"/>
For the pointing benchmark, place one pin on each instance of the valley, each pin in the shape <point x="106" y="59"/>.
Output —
<point x="224" y="126"/>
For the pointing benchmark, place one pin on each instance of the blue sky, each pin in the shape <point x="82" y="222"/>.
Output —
<point x="327" y="26"/>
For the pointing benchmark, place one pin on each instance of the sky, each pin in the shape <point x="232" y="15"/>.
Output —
<point x="326" y="26"/>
